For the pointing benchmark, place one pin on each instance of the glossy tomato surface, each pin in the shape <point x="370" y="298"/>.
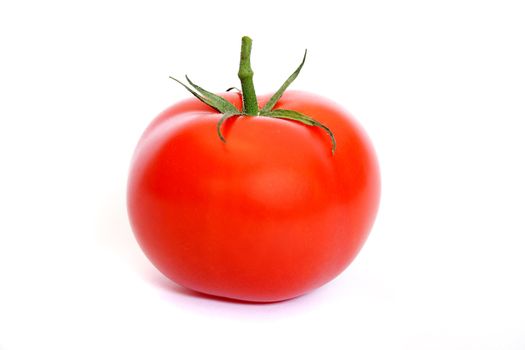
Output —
<point x="269" y="215"/>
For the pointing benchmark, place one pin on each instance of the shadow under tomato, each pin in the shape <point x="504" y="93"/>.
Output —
<point x="172" y="287"/>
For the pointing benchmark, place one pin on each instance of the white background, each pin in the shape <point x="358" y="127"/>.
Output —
<point x="439" y="86"/>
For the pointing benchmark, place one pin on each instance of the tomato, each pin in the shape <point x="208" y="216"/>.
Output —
<point x="268" y="215"/>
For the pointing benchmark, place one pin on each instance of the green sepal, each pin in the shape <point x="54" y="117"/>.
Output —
<point x="225" y="117"/>
<point x="273" y="100"/>
<point x="223" y="104"/>
<point x="302" y="118"/>
<point x="201" y="98"/>
<point x="214" y="101"/>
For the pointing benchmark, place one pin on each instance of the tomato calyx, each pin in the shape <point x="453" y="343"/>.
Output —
<point x="249" y="98"/>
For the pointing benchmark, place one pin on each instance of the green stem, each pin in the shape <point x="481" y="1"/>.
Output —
<point x="249" y="99"/>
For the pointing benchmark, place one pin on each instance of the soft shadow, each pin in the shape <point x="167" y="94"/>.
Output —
<point x="211" y="305"/>
<point x="169" y="286"/>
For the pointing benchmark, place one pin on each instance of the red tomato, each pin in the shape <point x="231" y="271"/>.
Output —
<point x="269" y="215"/>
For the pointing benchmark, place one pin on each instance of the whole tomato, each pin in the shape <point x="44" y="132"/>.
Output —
<point x="267" y="210"/>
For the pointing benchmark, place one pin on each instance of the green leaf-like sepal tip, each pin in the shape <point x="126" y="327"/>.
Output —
<point x="223" y="104"/>
<point x="273" y="100"/>
<point x="302" y="118"/>
<point x="250" y="107"/>
<point x="215" y="101"/>
<point x="224" y="117"/>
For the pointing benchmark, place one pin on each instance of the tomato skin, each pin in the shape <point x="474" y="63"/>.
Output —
<point x="269" y="215"/>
